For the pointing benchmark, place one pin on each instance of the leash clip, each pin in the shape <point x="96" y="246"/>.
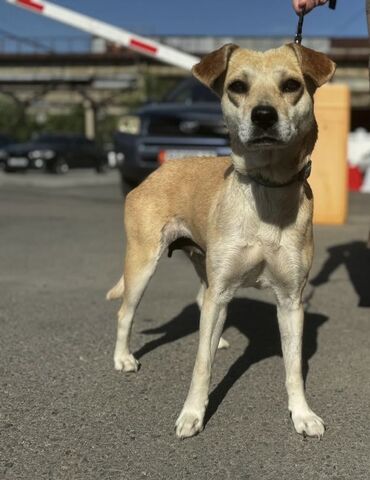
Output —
<point x="298" y="36"/>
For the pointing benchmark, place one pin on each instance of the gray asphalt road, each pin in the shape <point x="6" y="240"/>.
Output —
<point x="66" y="414"/>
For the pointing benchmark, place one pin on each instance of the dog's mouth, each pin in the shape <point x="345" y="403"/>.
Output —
<point x="265" y="141"/>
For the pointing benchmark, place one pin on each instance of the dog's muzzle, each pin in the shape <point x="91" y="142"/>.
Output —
<point x="264" y="128"/>
<point x="264" y="123"/>
<point x="264" y="116"/>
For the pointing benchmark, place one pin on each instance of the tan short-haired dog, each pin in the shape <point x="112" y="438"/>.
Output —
<point x="243" y="221"/>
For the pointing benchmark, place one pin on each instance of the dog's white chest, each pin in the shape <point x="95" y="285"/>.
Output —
<point x="255" y="248"/>
<point x="272" y="262"/>
<point x="258" y="259"/>
<point x="254" y="253"/>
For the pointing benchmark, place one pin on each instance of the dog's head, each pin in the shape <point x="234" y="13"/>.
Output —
<point x="266" y="98"/>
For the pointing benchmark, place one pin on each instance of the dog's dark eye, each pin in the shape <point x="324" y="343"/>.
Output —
<point x="238" y="87"/>
<point x="291" y="85"/>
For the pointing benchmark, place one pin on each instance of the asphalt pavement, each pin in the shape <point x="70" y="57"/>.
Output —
<point x="66" y="414"/>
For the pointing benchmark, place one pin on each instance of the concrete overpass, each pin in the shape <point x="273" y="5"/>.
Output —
<point x="104" y="75"/>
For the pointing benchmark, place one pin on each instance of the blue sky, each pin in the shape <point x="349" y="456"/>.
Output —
<point x="195" y="17"/>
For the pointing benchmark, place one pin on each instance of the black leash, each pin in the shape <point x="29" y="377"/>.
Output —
<point x="298" y="35"/>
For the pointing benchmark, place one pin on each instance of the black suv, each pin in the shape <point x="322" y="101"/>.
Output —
<point x="4" y="141"/>
<point x="187" y="123"/>
<point x="55" y="153"/>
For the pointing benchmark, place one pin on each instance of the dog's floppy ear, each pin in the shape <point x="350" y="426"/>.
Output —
<point x="213" y="66"/>
<point x="317" y="66"/>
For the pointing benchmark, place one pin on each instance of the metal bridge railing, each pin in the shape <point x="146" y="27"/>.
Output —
<point x="16" y="44"/>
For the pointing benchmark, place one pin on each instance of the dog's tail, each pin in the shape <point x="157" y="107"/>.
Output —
<point x="117" y="290"/>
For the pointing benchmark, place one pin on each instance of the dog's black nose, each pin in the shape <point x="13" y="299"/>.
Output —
<point x="264" y="116"/>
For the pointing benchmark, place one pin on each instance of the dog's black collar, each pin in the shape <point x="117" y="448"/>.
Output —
<point x="301" y="176"/>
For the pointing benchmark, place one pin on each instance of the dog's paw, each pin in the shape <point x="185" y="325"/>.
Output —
<point x="127" y="363"/>
<point x="222" y="344"/>
<point x="188" y="424"/>
<point x="308" y="424"/>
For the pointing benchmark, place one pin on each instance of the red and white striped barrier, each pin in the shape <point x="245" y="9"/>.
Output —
<point x="117" y="35"/>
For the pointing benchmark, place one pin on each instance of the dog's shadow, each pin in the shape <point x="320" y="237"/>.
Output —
<point x="355" y="256"/>
<point x="254" y="319"/>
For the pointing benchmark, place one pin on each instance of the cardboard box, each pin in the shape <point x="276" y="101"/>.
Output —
<point x="329" y="159"/>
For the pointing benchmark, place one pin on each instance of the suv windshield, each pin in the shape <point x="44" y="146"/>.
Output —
<point x="191" y="91"/>
<point x="57" y="138"/>
<point x="5" y="140"/>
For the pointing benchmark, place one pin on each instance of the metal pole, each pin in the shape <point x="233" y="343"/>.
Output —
<point x="145" y="46"/>
<point x="90" y="119"/>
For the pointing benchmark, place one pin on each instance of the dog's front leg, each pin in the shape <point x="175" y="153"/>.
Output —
<point x="212" y="319"/>
<point x="291" y="317"/>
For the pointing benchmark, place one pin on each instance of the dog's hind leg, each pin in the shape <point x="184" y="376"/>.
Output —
<point x="140" y="264"/>
<point x="117" y="290"/>
<point x="223" y="343"/>
<point x="199" y="264"/>
<point x="143" y="250"/>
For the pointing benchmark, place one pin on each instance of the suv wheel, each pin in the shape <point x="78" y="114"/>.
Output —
<point x="102" y="167"/>
<point x="126" y="185"/>
<point x="60" y="167"/>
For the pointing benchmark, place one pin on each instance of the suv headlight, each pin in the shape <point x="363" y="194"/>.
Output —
<point x="44" y="154"/>
<point x="130" y="124"/>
